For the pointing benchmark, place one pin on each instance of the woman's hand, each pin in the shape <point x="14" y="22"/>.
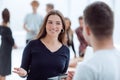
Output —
<point x="15" y="46"/>
<point x="20" y="71"/>
<point x="70" y="75"/>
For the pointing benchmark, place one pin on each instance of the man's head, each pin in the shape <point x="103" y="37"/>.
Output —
<point x="81" y="21"/>
<point x="35" y="5"/>
<point x="49" y="7"/>
<point x="98" y="19"/>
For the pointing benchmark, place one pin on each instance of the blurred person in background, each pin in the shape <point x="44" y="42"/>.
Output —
<point x="32" y="22"/>
<point x="69" y="35"/>
<point x="83" y="43"/>
<point x="49" y="7"/>
<point x="7" y="43"/>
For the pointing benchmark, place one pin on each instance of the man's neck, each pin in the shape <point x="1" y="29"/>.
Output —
<point x="103" y="45"/>
<point x="34" y="12"/>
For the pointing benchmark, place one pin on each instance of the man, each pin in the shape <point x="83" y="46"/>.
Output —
<point x="98" y="32"/>
<point x="49" y="7"/>
<point x="83" y="43"/>
<point x="32" y="22"/>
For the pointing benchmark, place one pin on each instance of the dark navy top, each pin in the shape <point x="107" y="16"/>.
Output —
<point x="7" y="43"/>
<point x="41" y="63"/>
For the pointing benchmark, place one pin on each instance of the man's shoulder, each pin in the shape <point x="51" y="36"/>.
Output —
<point x="84" y="71"/>
<point x="90" y="63"/>
<point x="77" y="28"/>
<point x="86" y="63"/>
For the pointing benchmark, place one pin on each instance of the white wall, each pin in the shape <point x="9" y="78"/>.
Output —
<point x="70" y="8"/>
<point x="19" y="8"/>
<point x="117" y="22"/>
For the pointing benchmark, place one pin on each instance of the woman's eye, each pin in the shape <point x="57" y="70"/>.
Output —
<point x="58" y="23"/>
<point x="50" y="22"/>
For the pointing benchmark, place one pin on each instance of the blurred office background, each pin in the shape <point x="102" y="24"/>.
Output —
<point x="70" y="8"/>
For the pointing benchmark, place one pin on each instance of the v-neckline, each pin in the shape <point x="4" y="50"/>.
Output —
<point x="49" y="49"/>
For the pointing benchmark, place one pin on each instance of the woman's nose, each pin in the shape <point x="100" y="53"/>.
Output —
<point x="54" y="25"/>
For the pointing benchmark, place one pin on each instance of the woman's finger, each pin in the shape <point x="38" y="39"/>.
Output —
<point x="17" y="70"/>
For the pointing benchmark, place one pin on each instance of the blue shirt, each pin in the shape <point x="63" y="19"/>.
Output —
<point x="33" y="22"/>
<point x="41" y="63"/>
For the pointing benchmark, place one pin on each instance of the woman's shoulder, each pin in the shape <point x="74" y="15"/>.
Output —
<point x="5" y="29"/>
<point x="65" y="48"/>
<point x="66" y="51"/>
<point x="34" y="41"/>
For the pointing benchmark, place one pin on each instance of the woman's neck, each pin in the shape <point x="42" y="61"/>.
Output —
<point x="4" y="24"/>
<point x="51" y="40"/>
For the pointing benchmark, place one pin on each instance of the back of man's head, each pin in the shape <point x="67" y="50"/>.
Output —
<point x="99" y="17"/>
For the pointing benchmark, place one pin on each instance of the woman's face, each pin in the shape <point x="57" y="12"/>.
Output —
<point x="67" y="23"/>
<point x="54" y="25"/>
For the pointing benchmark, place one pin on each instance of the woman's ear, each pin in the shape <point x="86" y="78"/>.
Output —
<point x="62" y="30"/>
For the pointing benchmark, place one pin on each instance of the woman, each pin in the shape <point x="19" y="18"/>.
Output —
<point x="6" y="45"/>
<point x="46" y="56"/>
<point x="69" y="35"/>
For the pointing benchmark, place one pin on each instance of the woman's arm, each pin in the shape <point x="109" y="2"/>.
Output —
<point x="26" y="57"/>
<point x="26" y="60"/>
<point x="67" y="61"/>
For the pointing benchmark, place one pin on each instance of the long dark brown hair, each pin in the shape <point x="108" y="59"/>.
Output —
<point x="42" y="33"/>
<point x="6" y="15"/>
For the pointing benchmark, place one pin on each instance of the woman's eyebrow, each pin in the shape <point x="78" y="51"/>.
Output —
<point x="55" y="21"/>
<point x="49" y="20"/>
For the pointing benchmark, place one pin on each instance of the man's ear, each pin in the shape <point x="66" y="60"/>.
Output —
<point x="88" y="31"/>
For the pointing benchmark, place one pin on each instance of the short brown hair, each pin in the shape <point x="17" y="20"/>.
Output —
<point x="34" y="2"/>
<point x="50" y="5"/>
<point x="80" y="18"/>
<point x="6" y="15"/>
<point x="99" y="17"/>
<point x="42" y="33"/>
